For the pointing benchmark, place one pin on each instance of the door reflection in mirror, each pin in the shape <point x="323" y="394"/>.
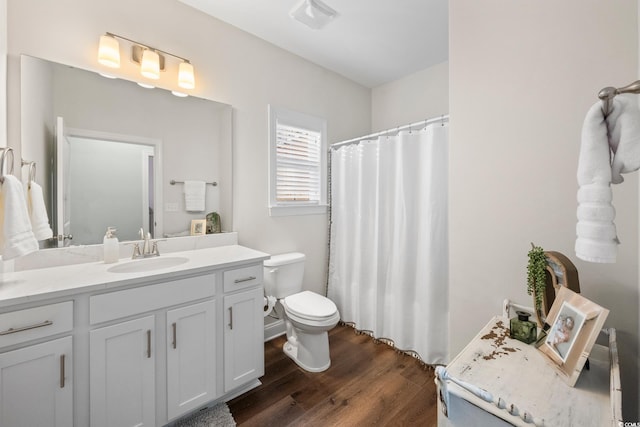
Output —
<point x="121" y="174"/>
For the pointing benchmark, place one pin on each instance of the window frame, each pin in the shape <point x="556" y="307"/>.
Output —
<point x="303" y="121"/>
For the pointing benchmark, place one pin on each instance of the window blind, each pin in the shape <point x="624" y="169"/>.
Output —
<point x="298" y="160"/>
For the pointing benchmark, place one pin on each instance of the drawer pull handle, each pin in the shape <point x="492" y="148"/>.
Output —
<point x="230" y="317"/>
<point x="26" y="328"/>
<point x="175" y="340"/>
<point x="148" y="343"/>
<point x="246" y="279"/>
<point x="62" y="371"/>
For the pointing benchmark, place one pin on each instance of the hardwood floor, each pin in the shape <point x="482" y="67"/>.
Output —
<point x="367" y="384"/>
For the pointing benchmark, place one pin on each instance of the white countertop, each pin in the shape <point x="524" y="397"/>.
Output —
<point x="53" y="282"/>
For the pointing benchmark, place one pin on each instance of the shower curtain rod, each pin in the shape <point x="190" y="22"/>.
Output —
<point x="444" y="118"/>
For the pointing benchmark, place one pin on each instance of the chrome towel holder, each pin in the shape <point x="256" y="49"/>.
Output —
<point x="174" y="182"/>
<point x="5" y="151"/>
<point x="32" y="170"/>
<point x="608" y="93"/>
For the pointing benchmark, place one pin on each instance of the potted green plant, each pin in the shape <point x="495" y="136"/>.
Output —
<point x="537" y="277"/>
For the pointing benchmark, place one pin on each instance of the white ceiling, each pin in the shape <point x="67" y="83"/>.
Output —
<point x="370" y="41"/>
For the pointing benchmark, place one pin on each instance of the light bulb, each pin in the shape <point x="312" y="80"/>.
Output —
<point x="150" y="64"/>
<point x="186" y="79"/>
<point x="109" y="52"/>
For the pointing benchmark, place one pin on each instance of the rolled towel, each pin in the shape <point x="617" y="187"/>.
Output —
<point x="38" y="212"/>
<point x="16" y="236"/>
<point x="624" y="137"/>
<point x="194" y="196"/>
<point x="615" y="136"/>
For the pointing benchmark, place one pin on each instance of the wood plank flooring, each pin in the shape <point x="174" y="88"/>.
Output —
<point x="367" y="384"/>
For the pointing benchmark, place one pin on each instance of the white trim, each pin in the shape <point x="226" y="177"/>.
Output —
<point x="296" y="119"/>
<point x="297" y="210"/>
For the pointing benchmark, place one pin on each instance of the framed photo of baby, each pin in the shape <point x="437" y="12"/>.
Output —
<point x="571" y="327"/>
<point x="566" y="327"/>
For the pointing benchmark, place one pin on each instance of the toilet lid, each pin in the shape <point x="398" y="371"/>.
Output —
<point x="308" y="304"/>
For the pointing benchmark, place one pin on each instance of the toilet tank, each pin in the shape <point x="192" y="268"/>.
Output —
<point x="283" y="274"/>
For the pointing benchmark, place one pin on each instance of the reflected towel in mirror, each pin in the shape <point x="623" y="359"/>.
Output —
<point x="194" y="195"/>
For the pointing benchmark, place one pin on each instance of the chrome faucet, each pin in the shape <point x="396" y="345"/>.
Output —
<point x="149" y="247"/>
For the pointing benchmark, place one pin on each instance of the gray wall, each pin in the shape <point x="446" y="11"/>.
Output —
<point x="231" y="66"/>
<point x="521" y="81"/>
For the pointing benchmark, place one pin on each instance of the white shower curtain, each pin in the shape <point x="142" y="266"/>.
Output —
<point x="388" y="271"/>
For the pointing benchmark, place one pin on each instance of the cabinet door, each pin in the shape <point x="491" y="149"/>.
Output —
<point x="36" y="385"/>
<point x="243" y="338"/>
<point x="191" y="361"/>
<point x="122" y="374"/>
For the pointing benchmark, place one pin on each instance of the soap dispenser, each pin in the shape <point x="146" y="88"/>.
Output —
<point x="111" y="246"/>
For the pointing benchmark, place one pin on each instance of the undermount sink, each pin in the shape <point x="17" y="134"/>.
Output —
<point x="147" y="264"/>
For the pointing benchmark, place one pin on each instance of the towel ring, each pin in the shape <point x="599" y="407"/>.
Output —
<point x="32" y="171"/>
<point x="5" y="151"/>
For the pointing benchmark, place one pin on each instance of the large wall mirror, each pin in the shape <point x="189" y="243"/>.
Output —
<point x="107" y="149"/>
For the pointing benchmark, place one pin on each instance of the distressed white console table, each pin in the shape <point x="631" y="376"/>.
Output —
<point x="499" y="381"/>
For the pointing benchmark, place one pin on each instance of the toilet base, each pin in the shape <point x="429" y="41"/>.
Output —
<point x="291" y="350"/>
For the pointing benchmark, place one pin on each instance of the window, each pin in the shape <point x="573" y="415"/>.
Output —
<point x="297" y="163"/>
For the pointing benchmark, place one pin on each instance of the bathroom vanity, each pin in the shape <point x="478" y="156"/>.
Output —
<point x="139" y="342"/>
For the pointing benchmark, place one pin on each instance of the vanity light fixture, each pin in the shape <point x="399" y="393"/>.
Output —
<point x="150" y="64"/>
<point x="185" y="75"/>
<point x="313" y="13"/>
<point x="151" y="59"/>
<point x="109" y="51"/>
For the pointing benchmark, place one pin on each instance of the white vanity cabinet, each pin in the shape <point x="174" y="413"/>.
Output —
<point x="191" y="358"/>
<point x="36" y="380"/>
<point x="243" y="326"/>
<point x="124" y="356"/>
<point x="132" y="348"/>
<point x="243" y="338"/>
<point x="122" y="374"/>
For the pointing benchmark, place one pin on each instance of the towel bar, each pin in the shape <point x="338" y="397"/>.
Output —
<point x="174" y="182"/>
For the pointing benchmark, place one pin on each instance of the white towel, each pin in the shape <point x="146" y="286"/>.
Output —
<point x="624" y="138"/>
<point x="16" y="237"/>
<point x="609" y="147"/>
<point x="38" y="212"/>
<point x="194" y="195"/>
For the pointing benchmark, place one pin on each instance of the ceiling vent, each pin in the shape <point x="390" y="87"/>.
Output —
<point x="313" y="13"/>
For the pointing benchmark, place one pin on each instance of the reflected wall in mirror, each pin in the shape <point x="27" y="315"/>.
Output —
<point x="174" y="138"/>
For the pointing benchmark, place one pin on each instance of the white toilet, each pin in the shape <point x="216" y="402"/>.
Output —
<point x="308" y="315"/>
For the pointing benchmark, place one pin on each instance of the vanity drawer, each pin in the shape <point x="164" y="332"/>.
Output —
<point x="115" y="305"/>
<point x="32" y="323"/>
<point x="241" y="278"/>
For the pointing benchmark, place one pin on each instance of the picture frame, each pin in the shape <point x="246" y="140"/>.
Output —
<point x="566" y="328"/>
<point x="567" y="347"/>
<point x="198" y="227"/>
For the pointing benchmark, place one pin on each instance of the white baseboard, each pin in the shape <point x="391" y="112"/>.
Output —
<point x="274" y="329"/>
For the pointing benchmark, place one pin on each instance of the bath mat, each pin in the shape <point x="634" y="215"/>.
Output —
<point x="216" y="416"/>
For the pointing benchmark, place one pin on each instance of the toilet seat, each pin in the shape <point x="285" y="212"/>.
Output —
<point x="310" y="306"/>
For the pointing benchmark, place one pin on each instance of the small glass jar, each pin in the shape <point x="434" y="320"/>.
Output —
<point x="522" y="329"/>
